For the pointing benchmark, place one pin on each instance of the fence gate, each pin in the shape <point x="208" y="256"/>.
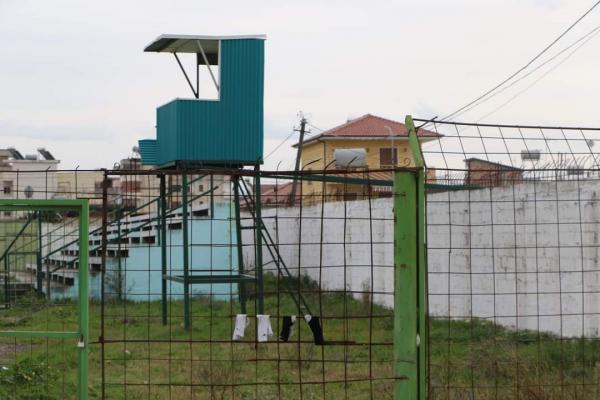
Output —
<point x="43" y="332"/>
<point x="214" y="290"/>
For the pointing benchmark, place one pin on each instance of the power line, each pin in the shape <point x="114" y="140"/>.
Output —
<point x="280" y="144"/>
<point x="538" y="55"/>
<point x="587" y="36"/>
<point x="316" y="127"/>
<point x="307" y="133"/>
<point x="510" y="100"/>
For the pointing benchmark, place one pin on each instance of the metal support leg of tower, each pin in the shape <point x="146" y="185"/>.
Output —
<point x="186" y="258"/>
<point x="239" y="245"/>
<point x="163" y="247"/>
<point x="258" y="240"/>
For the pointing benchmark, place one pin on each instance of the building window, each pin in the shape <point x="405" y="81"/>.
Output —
<point x="7" y="187"/>
<point x="388" y="157"/>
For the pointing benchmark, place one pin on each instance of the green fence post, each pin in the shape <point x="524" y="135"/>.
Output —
<point x="186" y="255"/>
<point x="163" y="247"/>
<point x="422" y="276"/>
<point x="410" y="301"/>
<point x="83" y="345"/>
<point x="405" y="286"/>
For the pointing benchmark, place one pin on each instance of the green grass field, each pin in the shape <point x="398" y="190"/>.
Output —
<point x="501" y="363"/>
<point x="146" y="360"/>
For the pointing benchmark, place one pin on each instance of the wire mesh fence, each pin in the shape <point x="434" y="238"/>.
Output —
<point x="513" y="265"/>
<point x="260" y="299"/>
<point x="203" y="286"/>
<point x="226" y="284"/>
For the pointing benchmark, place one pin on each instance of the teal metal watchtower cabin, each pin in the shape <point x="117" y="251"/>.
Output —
<point x="226" y="131"/>
<point x="223" y="132"/>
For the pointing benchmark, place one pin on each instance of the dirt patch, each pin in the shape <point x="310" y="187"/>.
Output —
<point x="8" y="351"/>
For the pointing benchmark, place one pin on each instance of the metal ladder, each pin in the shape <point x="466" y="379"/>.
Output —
<point x="263" y="234"/>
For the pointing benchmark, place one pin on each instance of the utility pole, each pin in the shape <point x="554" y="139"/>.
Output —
<point x="302" y="131"/>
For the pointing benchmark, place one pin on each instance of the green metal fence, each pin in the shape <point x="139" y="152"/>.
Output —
<point x="164" y="309"/>
<point x="25" y="309"/>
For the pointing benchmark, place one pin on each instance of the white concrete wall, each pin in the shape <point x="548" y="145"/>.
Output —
<point x="528" y="259"/>
<point x="525" y="257"/>
<point x="336" y="253"/>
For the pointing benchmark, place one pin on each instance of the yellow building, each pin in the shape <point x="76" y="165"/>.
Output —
<point x="379" y="144"/>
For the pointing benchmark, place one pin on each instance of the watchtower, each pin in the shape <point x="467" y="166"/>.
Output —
<point x="222" y="132"/>
<point x="226" y="131"/>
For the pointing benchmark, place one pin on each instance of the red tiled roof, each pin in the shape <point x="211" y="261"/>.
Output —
<point x="279" y="194"/>
<point x="371" y="126"/>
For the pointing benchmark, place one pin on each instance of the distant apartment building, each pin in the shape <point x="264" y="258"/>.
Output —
<point x="74" y="184"/>
<point x="37" y="176"/>
<point x="30" y="176"/>
<point x="140" y="189"/>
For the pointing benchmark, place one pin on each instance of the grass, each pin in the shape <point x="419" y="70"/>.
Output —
<point x="146" y="360"/>
<point x="480" y="360"/>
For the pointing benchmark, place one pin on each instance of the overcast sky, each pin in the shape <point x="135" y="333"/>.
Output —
<point x="74" y="79"/>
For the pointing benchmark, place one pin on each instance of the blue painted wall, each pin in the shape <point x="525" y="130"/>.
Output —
<point x="213" y="246"/>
